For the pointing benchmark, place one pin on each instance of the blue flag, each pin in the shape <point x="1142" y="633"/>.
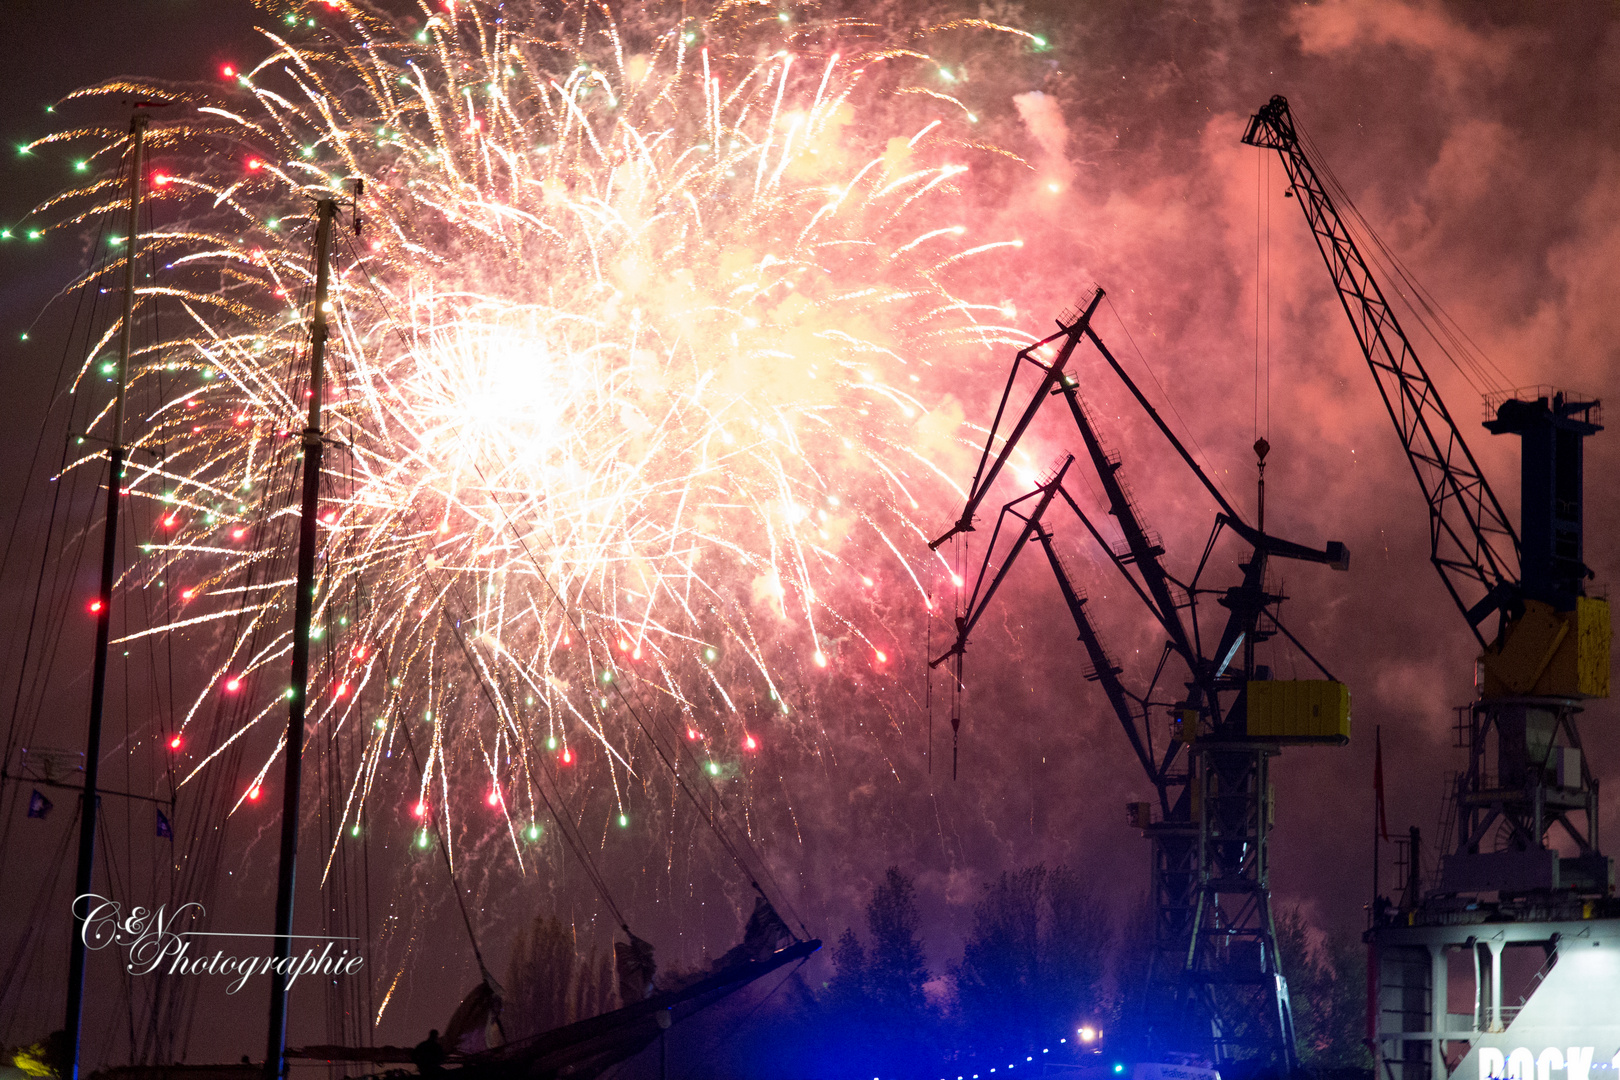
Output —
<point x="163" y="828"/>
<point x="38" y="805"/>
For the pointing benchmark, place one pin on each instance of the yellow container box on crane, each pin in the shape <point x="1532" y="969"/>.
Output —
<point x="1547" y="653"/>
<point x="1298" y="709"/>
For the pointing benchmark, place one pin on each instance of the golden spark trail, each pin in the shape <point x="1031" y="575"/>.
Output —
<point x="633" y="363"/>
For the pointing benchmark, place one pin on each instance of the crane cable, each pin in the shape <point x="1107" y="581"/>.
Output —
<point x="1460" y="350"/>
<point x="1262" y="295"/>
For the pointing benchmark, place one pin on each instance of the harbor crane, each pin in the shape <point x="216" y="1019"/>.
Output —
<point x="1527" y="784"/>
<point x="1216" y="984"/>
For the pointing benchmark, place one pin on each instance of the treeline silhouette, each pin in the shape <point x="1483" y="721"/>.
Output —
<point x="1044" y="956"/>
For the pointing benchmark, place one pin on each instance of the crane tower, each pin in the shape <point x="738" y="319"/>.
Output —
<point x="1216" y="987"/>
<point x="1506" y="962"/>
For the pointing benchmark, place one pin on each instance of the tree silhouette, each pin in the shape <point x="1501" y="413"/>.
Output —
<point x="1327" y="989"/>
<point x="1035" y="963"/>
<point x="877" y="1018"/>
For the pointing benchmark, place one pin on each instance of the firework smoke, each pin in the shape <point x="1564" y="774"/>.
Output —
<point x="636" y="352"/>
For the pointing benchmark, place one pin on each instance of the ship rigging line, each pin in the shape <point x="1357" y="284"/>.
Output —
<point x="53" y="603"/>
<point x="726" y="842"/>
<point x="455" y="886"/>
<point x="730" y="846"/>
<point x="80" y="317"/>
<point x="575" y="842"/>
<point x="37" y="916"/>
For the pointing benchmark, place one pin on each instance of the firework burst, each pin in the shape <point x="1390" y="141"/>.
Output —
<point x="632" y="395"/>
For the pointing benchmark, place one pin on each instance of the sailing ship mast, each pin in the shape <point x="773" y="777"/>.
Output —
<point x="303" y="613"/>
<point x="103" y="608"/>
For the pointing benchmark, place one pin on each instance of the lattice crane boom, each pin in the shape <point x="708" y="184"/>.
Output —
<point x="1104" y="671"/>
<point x="1471" y="541"/>
<point x="983" y="480"/>
<point x="1214" y="940"/>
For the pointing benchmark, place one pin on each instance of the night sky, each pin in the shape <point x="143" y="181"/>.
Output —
<point x="1482" y="140"/>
